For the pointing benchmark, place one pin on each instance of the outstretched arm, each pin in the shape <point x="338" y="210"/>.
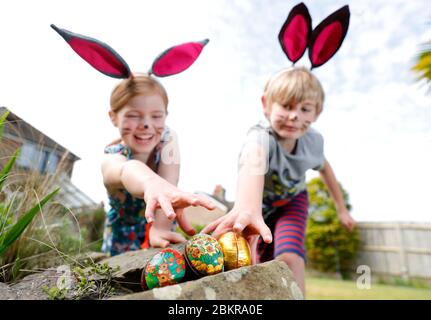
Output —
<point x="246" y="215"/>
<point x="329" y="179"/>
<point x="169" y="169"/>
<point x="141" y="182"/>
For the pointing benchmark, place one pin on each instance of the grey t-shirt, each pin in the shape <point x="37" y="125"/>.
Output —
<point x="285" y="172"/>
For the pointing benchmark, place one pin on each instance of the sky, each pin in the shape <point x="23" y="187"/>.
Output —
<point x="376" y="120"/>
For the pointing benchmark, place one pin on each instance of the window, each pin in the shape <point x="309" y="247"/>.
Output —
<point x="33" y="158"/>
<point x="51" y="163"/>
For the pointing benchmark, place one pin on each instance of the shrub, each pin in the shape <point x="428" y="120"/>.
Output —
<point x="330" y="247"/>
<point x="92" y="223"/>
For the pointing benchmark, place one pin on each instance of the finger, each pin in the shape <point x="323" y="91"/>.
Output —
<point x="252" y="242"/>
<point x="174" y="237"/>
<point x="220" y="230"/>
<point x="224" y="225"/>
<point x="180" y="200"/>
<point x="265" y="232"/>
<point x="241" y="223"/>
<point x="346" y="224"/>
<point x="149" y="210"/>
<point x="166" y="206"/>
<point x="159" y="243"/>
<point x="211" y="226"/>
<point x="184" y="224"/>
<point x="199" y="200"/>
<point x="190" y="199"/>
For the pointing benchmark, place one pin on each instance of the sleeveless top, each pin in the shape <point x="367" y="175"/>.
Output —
<point x="125" y="225"/>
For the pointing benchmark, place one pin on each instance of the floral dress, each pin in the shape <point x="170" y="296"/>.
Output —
<point x="125" y="226"/>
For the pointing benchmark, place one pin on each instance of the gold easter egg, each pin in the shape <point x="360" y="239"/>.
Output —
<point x="236" y="251"/>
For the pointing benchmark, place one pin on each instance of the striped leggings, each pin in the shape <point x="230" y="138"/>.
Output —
<point x="288" y="225"/>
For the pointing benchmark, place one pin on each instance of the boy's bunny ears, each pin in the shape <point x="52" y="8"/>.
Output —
<point x="322" y="42"/>
<point x="106" y="60"/>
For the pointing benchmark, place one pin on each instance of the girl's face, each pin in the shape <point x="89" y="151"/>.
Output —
<point x="141" y="122"/>
<point x="291" y="121"/>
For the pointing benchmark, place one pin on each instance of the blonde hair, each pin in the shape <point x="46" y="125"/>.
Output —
<point x="134" y="86"/>
<point x="294" y="85"/>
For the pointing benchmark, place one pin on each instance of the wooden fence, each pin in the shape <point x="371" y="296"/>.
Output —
<point x="396" y="249"/>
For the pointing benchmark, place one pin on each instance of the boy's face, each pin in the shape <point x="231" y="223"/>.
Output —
<point x="141" y="122"/>
<point x="293" y="120"/>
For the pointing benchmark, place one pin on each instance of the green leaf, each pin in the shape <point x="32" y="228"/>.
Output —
<point x="2" y="120"/>
<point x="423" y="63"/>
<point x="23" y="222"/>
<point x="16" y="268"/>
<point x="6" y="169"/>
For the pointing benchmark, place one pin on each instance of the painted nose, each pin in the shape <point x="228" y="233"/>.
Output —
<point x="293" y="116"/>
<point x="146" y="126"/>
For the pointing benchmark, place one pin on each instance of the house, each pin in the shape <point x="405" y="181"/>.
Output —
<point x="41" y="156"/>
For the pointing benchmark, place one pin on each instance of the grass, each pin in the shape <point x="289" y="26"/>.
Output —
<point x="54" y="233"/>
<point x="332" y="289"/>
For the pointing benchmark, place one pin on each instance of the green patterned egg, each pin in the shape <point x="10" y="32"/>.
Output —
<point x="204" y="255"/>
<point x="167" y="267"/>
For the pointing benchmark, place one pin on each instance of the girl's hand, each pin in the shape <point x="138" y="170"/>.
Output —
<point x="346" y="219"/>
<point x="248" y="222"/>
<point x="161" y="238"/>
<point x="159" y="193"/>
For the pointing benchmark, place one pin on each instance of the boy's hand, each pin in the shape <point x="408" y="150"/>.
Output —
<point x="161" y="238"/>
<point x="346" y="219"/>
<point x="247" y="222"/>
<point x="161" y="194"/>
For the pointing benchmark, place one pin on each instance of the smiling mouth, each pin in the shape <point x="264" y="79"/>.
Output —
<point x="144" y="138"/>
<point x="290" y="129"/>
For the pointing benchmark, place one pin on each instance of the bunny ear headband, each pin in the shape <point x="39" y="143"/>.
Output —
<point x="106" y="60"/>
<point x="323" y="42"/>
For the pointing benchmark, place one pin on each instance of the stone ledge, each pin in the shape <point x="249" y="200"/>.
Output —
<point x="271" y="280"/>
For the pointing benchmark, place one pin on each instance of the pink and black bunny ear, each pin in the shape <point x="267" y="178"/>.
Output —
<point x="328" y="36"/>
<point x="98" y="54"/>
<point x="295" y="32"/>
<point x="177" y="59"/>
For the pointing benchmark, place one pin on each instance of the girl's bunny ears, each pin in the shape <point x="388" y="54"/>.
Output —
<point x="106" y="60"/>
<point x="322" y="42"/>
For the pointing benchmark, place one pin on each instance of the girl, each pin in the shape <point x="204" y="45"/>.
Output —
<point x="140" y="181"/>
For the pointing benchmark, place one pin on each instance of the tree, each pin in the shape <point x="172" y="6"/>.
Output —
<point x="330" y="247"/>
<point x="423" y="63"/>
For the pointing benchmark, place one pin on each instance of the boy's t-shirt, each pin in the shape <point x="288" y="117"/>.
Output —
<point x="285" y="172"/>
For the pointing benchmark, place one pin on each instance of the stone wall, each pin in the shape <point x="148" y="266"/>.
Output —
<point x="271" y="280"/>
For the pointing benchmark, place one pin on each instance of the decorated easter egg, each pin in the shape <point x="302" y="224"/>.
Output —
<point x="203" y="255"/>
<point x="236" y="251"/>
<point x="165" y="268"/>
